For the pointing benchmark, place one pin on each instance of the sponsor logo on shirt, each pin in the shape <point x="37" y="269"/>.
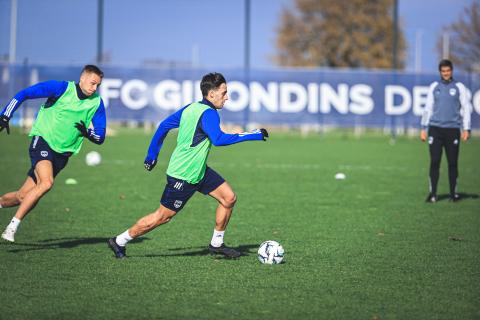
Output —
<point x="44" y="153"/>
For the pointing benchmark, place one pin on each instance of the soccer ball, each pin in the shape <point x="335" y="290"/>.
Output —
<point x="93" y="158"/>
<point x="270" y="252"/>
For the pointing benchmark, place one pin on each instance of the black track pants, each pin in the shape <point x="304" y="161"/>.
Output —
<point x="439" y="139"/>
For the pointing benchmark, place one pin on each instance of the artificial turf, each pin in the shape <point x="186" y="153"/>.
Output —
<point x="367" y="247"/>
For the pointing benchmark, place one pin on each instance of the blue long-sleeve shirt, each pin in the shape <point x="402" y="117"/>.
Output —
<point x="52" y="90"/>
<point x="209" y="125"/>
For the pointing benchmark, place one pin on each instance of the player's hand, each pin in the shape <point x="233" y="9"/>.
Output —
<point x="423" y="135"/>
<point x="465" y="135"/>
<point x="4" y="123"/>
<point x="264" y="133"/>
<point x="82" y="128"/>
<point x="149" y="164"/>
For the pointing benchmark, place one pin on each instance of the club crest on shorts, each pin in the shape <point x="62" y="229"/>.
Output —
<point x="44" y="153"/>
<point x="455" y="142"/>
<point x="430" y="140"/>
<point x="177" y="204"/>
<point x="452" y="91"/>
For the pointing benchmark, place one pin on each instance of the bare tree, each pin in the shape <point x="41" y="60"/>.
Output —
<point x="338" y="33"/>
<point x="464" y="35"/>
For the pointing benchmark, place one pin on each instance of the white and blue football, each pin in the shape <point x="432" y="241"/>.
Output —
<point x="271" y="252"/>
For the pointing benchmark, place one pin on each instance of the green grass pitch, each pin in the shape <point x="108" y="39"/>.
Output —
<point x="367" y="247"/>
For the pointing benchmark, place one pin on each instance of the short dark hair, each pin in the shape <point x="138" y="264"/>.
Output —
<point x="211" y="81"/>
<point x="89" y="68"/>
<point x="445" y="63"/>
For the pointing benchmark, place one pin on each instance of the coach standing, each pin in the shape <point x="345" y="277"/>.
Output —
<point x="447" y="119"/>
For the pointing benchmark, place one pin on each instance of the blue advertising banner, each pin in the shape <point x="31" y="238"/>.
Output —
<point x="337" y="98"/>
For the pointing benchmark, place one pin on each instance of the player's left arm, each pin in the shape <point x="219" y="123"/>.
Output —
<point x="99" y="122"/>
<point x="171" y="122"/>
<point x="465" y="110"/>
<point x="210" y="122"/>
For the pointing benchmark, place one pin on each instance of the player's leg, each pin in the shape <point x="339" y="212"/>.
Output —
<point x="44" y="177"/>
<point x="151" y="221"/>
<point x="9" y="199"/>
<point x="226" y="201"/>
<point x="44" y="174"/>
<point x="12" y="199"/>
<point x="452" y="148"/>
<point x="142" y="226"/>
<point x="215" y="186"/>
<point x="174" y="197"/>
<point x="435" y="145"/>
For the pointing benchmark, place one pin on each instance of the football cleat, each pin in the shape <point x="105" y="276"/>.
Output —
<point x="8" y="235"/>
<point x="454" y="198"/>
<point x="119" y="251"/>
<point x="223" y="250"/>
<point x="431" y="198"/>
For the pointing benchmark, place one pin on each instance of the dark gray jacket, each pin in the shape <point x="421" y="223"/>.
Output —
<point x="448" y="106"/>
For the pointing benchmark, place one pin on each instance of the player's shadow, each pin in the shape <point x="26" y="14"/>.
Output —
<point x="60" y="243"/>
<point x="462" y="196"/>
<point x="245" y="250"/>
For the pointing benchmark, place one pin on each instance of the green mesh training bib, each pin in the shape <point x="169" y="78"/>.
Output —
<point x="189" y="163"/>
<point x="55" y="124"/>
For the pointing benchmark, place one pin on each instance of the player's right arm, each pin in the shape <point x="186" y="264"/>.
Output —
<point x="171" y="122"/>
<point x="427" y="112"/>
<point x="48" y="89"/>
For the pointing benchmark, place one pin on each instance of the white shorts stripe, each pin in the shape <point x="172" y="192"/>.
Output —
<point x="35" y="140"/>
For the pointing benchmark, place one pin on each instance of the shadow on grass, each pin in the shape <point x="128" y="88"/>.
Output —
<point x="60" y="243"/>
<point x="462" y="196"/>
<point x="245" y="250"/>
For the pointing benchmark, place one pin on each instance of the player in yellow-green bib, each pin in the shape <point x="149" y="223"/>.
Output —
<point x="58" y="132"/>
<point x="198" y="129"/>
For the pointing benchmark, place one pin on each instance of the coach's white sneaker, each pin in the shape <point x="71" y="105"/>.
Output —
<point x="8" y="235"/>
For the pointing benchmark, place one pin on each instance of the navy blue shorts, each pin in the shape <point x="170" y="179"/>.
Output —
<point x="177" y="192"/>
<point x="40" y="150"/>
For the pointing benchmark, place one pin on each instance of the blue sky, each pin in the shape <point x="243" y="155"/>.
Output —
<point x="207" y="32"/>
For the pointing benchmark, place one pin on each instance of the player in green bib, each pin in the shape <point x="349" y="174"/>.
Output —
<point x="198" y="129"/>
<point x="58" y="132"/>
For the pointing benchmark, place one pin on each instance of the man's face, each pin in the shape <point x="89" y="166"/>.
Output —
<point x="89" y="83"/>
<point x="218" y="96"/>
<point x="446" y="73"/>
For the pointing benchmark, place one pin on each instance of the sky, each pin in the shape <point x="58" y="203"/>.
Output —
<point x="204" y="33"/>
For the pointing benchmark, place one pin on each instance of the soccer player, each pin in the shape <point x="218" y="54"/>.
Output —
<point x="58" y="132"/>
<point x="187" y="172"/>
<point x="447" y="118"/>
